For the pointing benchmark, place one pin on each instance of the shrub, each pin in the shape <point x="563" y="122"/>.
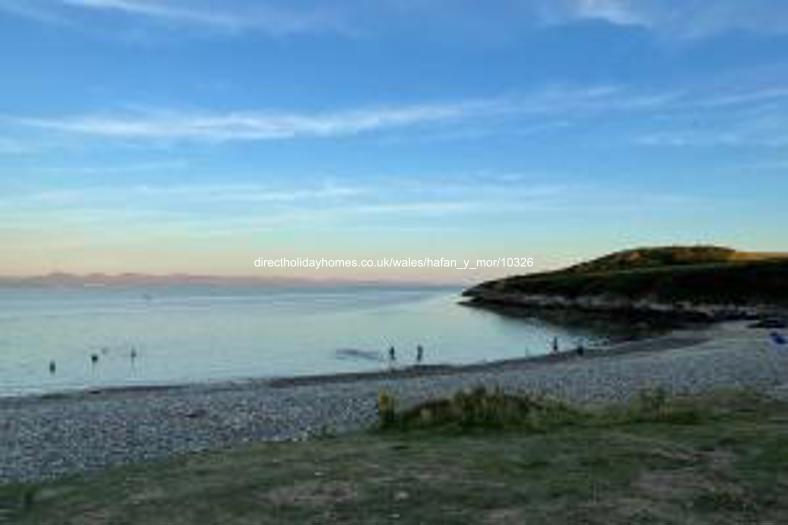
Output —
<point x="479" y="409"/>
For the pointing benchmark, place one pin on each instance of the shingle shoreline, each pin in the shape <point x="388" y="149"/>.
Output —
<point x="47" y="437"/>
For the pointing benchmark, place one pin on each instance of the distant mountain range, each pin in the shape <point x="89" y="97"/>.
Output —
<point x="60" y="279"/>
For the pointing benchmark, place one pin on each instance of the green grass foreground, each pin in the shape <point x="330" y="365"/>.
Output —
<point x="721" y="459"/>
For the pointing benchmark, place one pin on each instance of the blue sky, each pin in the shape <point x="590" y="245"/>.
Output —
<point x="192" y="136"/>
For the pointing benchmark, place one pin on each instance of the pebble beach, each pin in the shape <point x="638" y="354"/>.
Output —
<point x="58" y="435"/>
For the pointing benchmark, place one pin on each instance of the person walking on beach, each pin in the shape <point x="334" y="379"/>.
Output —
<point x="555" y="345"/>
<point x="419" y="354"/>
<point x="392" y="355"/>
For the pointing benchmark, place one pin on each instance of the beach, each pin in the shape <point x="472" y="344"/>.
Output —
<point x="56" y="435"/>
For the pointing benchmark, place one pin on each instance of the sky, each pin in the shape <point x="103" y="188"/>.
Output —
<point x="164" y="136"/>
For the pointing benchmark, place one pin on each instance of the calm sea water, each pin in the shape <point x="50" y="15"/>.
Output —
<point x="185" y="334"/>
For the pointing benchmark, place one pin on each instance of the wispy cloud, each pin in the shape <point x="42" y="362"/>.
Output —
<point x="164" y="166"/>
<point x="258" y="17"/>
<point x="268" y="125"/>
<point x="688" y="19"/>
<point x="44" y="12"/>
<point x="391" y="196"/>
<point x="485" y="195"/>
<point x="248" y="125"/>
<point x="746" y="97"/>
<point x="618" y="12"/>
<point x="726" y="137"/>
<point x="231" y="17"/>
<point x="742" y="126"/>
<point x="111" y="195"/>
<point x="661" y="118"/>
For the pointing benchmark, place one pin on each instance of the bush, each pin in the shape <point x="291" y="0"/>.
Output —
<point x="479" y="409"/>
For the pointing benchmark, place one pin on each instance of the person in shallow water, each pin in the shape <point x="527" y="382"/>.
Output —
<point x="392" y="355"/>
<point x="419" y="354"/>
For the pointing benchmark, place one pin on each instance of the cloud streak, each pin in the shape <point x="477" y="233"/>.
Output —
<point x="267" y="125"/>
<point x="692" y="19"/>
<point x="259" y="207"/>
<point x="727" y="137"/>
<point x="180" y="194"/>
<point x="271" y="19"/>
<point x="275" y="21"/>
<point x="616" y="12"/>
<point x="547" y="111"/>
<point x="248" y="126"/>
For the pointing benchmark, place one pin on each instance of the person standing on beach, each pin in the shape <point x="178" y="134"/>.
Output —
<point x="555" y="345"/>
<point x="392" y="355"/>
<point x="419" y="354"/>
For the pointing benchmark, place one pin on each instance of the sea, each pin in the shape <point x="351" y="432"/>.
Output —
<point x="59" y="339"/>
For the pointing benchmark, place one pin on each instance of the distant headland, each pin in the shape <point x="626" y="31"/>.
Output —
<point x="694" y="282"/>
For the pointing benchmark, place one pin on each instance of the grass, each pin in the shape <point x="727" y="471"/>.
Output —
<point x="640" y="258"/>
<point x="645" y="463"/>
<point x="496" y="410"/>
<point x="479" y="409"/>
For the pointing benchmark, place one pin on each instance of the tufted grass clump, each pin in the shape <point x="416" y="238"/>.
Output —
<point x="16" y="498"/>
<point x="387" y="414"/>
<point x="653" y="405"/>
<point x="480" y="409"/>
